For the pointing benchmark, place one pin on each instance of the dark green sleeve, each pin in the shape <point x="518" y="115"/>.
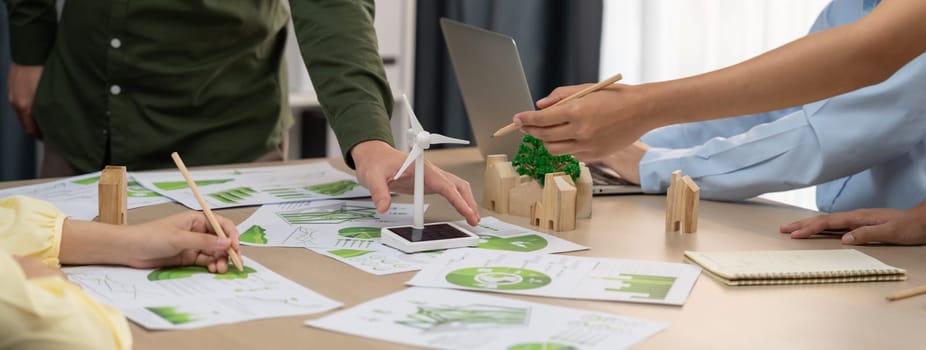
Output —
<point x="338" y="44"/>
<point x="32" y="30"/>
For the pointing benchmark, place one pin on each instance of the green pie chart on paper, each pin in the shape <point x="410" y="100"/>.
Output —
<point x="498" y="278"/>
<point x="526" y="243"/>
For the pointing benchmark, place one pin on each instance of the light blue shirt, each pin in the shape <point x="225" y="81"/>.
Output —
<point x="864" y="149"/>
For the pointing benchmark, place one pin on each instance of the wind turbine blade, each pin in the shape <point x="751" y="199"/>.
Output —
<point x="416" y="126"/>
<point x="412" y="156"/>
<point x="438" y="138"/>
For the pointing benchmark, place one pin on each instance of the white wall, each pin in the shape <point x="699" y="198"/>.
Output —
<point x="655" y="40"/>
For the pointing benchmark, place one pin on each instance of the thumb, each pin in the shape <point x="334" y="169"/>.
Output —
<point x="558" y="94"/>
<point x="539" y="118"/>
<point x="187" y="240"/>
<point x="554" y="97"/>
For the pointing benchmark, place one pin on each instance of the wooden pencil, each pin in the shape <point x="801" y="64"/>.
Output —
<point x="604" y="83"/>
<point x="232" y="254"/>
<point x="906" y="293"/>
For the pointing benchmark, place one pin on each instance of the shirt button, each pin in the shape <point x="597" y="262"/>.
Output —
<point x="115" y="89"/>
<point x="115" y="43"/>
<point x="105" y="131"/>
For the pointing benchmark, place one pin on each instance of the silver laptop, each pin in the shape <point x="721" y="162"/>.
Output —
<point x="494" y="89"/>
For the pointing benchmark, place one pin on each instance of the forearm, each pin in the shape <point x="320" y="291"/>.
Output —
<point x="817" y="66"/>
<point x="918" y="213"/>
<point x="88" y="242"/>
<point x="758" y="161"/>
<point x="338" y="43"/>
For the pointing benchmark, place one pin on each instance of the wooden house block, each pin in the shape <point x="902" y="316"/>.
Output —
<point x="584" y="193"/>
<point x="499" y="178"/>
<point x="692" y="197"/>
<point x="525" y="193"/>
<point x="557" y="210"/>
<point x="682" y="200"/>
<point x="113" y="195"/>
<point x="671" y="216"/>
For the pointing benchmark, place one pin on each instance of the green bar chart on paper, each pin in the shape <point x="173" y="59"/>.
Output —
<point x="337" y="215"/>
<point x="464" y="317"/>
<point x="561" y="276"/>
<point x="226" y="188"/>
<point x="234" y="195"/>
<point x="179" y="185"/>
<point x="172" y="314"/>
<point x="655" y="287"/>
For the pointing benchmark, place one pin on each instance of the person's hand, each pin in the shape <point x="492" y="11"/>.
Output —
<point x="591" y="127"/>
<point x="626" y="162"/>
<point x="905" y="227"/>
<point x="179" y="240"/>
<point x="35" y="268"/>
<point x="22" y="83"/>
<point x="377" y="163"/>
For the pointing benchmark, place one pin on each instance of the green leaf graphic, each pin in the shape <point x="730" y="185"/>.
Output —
<point x="172" y="273"/>
<point x="254" y="234"/>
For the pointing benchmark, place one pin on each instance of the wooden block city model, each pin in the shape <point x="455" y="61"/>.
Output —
<point x="551" y="190"/>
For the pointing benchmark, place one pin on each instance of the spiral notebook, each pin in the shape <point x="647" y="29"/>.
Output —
<point x="744" y="268"/>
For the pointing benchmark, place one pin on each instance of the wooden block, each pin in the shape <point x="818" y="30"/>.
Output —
<point x="536" y="209"/>
<point x="557" y="208"/>
<point x="565" y="213"/>
<point x="584" y="193"/>
<point x="113" y="195"/>
<point x="679" y="206"/>
<point x="523" y="195"/>
<point x="498" y="179"/>
<point x="671" y="202"/>
<point x="692" y="197"/>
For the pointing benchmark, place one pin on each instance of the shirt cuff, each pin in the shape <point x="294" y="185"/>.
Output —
<point x="656" y="168"/>
<point x="31" y="43"/>
<point x="31" y="227"/>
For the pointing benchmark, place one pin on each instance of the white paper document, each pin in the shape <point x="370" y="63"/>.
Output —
<point x="494" y="235"/>
<point x="191" y="297"/>
<point x="78" y="196"/>
<point x="349" y="231"/>
<point x="448" y="319"/>
<point x="326" y="224"/>
<point x="227" y="188"/>
<point x="380" y="259"/>
<point x="560" y="276"/>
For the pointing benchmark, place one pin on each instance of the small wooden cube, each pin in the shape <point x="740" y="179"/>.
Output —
<point x="113" y="195"/>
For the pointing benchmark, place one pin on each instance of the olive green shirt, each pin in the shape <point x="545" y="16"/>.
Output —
<point x="129" y="82"/>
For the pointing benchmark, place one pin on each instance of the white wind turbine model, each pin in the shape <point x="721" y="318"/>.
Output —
<point x="421" y="237"/>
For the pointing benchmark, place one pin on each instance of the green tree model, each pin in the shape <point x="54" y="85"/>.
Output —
<point x="534" y="160"/>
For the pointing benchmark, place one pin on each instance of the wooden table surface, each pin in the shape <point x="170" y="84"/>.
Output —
<point x="833" y="316"/>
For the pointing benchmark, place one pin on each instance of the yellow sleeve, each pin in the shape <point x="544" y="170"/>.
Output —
<point x="31" y="227"/>
<point x="51" y="313"/>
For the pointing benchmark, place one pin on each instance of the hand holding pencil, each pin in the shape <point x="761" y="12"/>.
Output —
<point x="232" y="253"/>
<point x="512" y="127"/>
<point x="606" y="119"/>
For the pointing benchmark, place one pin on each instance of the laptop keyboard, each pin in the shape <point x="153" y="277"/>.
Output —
<point x="605" y="176"/>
